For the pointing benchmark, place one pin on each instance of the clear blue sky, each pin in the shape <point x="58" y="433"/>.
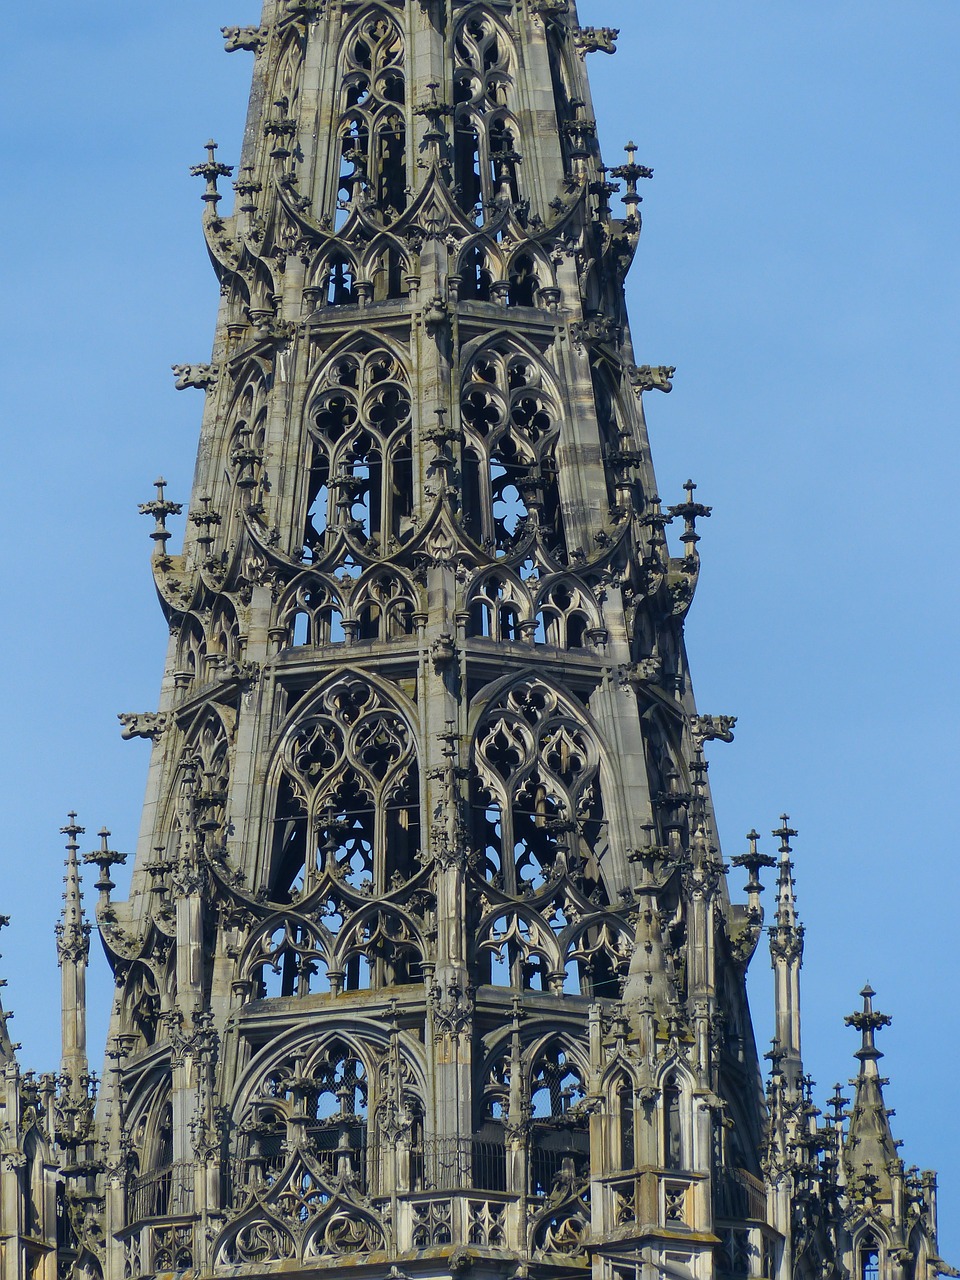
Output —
<point x="799" y="265"/>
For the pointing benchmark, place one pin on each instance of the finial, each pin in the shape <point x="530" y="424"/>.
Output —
<point x="160" y="509"/>
<point x="205" y="519"/>
<point x="868" y="1023"/>
<point x="752" y="861"/>
<point x="631" y="173"/>
<point x="247" y="188"/>
<point x="211" y="171"/>
<point x="104" y="858"/>
<point x="784" y="832"/>
<point x="690" y="512"/>
<point x="71" y="831"/>
<point x="836" y="1102"/>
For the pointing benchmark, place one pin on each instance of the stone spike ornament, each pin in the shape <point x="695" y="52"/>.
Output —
<point x="429" y="963"/>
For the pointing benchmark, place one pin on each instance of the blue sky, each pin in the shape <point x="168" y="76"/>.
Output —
<point x="798" y="265"/>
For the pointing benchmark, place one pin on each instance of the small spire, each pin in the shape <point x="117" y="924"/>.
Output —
<point x="73" y="952"/>
<point x="786" y="957"/>
<point x="73" y="931"/>
<point x="650" y="985"/>
<point x="786" y="887"/>
<point x="7" y="1047"/>
<point x="870" y="1152"/>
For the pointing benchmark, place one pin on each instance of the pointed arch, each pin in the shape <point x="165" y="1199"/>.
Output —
<point x="567" y="613"/>
<point x="360" y="463"/>
<point x="500" y="607"/>
<point x="518" y="950"/>
<point x="383" y="606"/>
<point x="384" y="266"/>
<point x="556" y="1081"/>
<point x="536" y="796"/>
<point x="346" y="782"/>
<point x="372" y="124"/>
<point x="528" y="272"/>
<point x="487" y="151"/>
<point x="311" y="611"/>
<point x="510" y="415"/>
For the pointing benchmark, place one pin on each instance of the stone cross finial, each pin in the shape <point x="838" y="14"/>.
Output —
<point x="690" y="512"/>
<point x="71" y="831"/>
<point x="104" y="858"/>
<point x="752" y="861"/>
<point x="160" y="508"/>
<point x="784" y="832"/>
<point x="868" y="1023"/>
<point x="212" y="172"/>
<point x="631" y="173"/>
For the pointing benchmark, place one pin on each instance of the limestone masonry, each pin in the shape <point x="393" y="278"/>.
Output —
<point x="429" y="966"/>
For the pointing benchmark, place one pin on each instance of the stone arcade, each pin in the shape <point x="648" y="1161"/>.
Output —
<point x="429" y="964"/>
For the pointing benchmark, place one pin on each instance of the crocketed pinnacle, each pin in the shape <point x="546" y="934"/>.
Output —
<point x="870" y="1151"/>
<point x="73" y="930"/>
<point x="787" y="923"/>
<point x="7" y="1048"/>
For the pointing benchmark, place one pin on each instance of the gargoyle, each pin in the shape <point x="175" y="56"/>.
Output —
<point x="201" y="376"/>
<point x="148" y="724"/>
<point x="596" y="40"/>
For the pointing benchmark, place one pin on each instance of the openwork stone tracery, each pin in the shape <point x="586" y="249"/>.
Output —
<point x="429" y="960"/>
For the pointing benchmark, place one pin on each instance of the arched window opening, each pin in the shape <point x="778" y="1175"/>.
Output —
<point x="402" y="837"/>
<point x="337" y="1109"/>
<point x="672" y="1125"/>
<point x="475" y="276"/>
<point x="626" y="1115"/>
<point x="160" y="1165"/>
<point x="489" y="1142"/>
<point x="385" y="608"/>
<point x="389" y="276"/>
<point x="416" y="1179"/>
<point x="512" y="954"/>
<point x="392" y="165"/>
<point x="401" y="491"/>
<point x="511" y="422"/>
<point x="524" y="282"/>
<point x="354" y="763"/>
<point x="471" y="514"/>
<point x="486" y="157"/>
<point x="359" y="420"/>
<point x="490" y="823"/>
<point x="372" y="130"/>
<point x="495" y="611"/>
<point x="536" y="796"/>
<point x="340" y="291"/>
<point x="383" y="951"/>
<point x="564" y="616"/>
<point x="288" y="854"/>
<point x="288" y="963"/>
<point x="559" y="1130"/>
<point x="349" y="824"/>
<point x="869" y="1260"/>
<point x="503" y="160"/>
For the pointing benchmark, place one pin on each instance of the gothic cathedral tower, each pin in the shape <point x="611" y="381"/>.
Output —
<point x="429" y="964"/>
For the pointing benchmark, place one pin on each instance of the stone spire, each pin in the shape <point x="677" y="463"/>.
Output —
<point x="786" y="957"/>
<point x="73" y="953"/>
<point x="429" y="959"/>
<point x="870" y="1154"/>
